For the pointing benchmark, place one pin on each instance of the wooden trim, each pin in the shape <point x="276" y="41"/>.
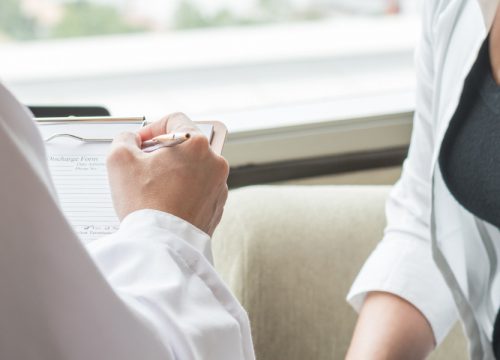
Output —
<point x="328" y="165"/>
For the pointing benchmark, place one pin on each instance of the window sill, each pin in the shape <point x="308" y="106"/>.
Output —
<point x="312" y="130"/>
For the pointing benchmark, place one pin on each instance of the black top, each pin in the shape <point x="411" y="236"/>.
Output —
<point x="470" y="153"/>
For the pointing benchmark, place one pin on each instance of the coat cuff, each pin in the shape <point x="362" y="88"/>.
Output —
<point x="148" y="219"/>
<point x="403" y="266"/>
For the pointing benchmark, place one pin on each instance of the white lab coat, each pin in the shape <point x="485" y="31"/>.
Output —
<point x="147" y="292"/>
<point x="435" y="254"/>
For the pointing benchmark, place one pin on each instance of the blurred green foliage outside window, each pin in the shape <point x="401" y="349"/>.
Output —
<point x="46" y="19"/>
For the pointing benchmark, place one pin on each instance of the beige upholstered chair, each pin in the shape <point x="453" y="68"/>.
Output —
<point x="290" y="254"/>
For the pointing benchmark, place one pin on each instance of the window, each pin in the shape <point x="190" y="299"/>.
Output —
<point x="47" y="19"/>
<point x="259" y="65"/>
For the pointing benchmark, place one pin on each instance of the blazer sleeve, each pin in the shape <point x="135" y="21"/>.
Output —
<point x="152" y="295"/>
<point x="402" y="263"/>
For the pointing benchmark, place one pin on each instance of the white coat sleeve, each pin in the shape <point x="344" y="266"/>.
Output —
<point x="160" y="266"/>
<point x="402" y="263"/>
<point x="153" y="294"/>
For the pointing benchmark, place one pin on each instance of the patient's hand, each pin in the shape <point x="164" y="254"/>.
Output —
<point x="187" y="180"/>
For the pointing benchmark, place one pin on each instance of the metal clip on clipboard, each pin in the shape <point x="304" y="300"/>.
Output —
<point x="215" y="131"/>
<point x="73" y="120"/>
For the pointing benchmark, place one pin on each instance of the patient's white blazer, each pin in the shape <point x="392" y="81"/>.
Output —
<point x="147" y="292"/>
<point x="435" y="254"/>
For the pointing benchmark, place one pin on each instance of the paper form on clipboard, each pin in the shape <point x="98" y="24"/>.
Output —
<point x="79" y="173"/>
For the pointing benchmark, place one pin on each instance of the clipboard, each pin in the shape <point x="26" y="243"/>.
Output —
<point x="216" y="137"/>
<point x="219" y="134"/>
<point x="78" y="168"/>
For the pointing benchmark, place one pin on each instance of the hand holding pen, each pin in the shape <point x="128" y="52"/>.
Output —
<point x="189" y="183"/>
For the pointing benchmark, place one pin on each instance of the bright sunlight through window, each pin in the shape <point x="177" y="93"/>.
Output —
<point x="281" y="59"/>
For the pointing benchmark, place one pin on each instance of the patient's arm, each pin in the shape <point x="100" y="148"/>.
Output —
<point x="390" y="328"/>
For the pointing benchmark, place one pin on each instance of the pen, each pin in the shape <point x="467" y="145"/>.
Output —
<point x="165" y="140"/>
